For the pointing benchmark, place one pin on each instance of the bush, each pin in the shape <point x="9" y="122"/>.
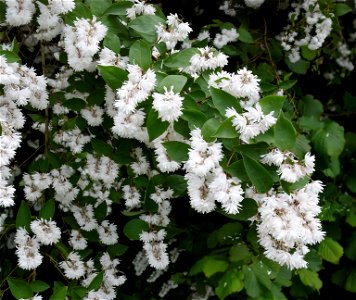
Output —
<point x="144" y="157"/>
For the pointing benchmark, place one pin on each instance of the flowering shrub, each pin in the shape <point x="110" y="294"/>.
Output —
<point x="142" y="159"/>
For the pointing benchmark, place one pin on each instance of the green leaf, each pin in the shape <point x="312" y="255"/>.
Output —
<point x="141" y="54"/>
<point x="198" y="266"/>
<point x="59" y="291"/>
<point x="342" y="9"/>
<point x="155" y="126"/>
<point x="351" y="180"/>
<point x="2" y="12"/>
<point x="311" y="107"/>
<point x="96" y="282"/>
<point x="98" y="7"/>
<point x="101" y="211"/>
<point x="213" y="266"/>
<point x="112" y="42"/>
<point x="48" y="209"/>
<point x="351" y="218"/>
<point x="145" y="26"/>
<point x="231" y="282"/>
<point x="272" y="103"/>
<point x="307" y="53"/>
<point x="19" y="288"/>
<point x="177" y="183"/>
<point x="101" y="147"/>
<point x="286" y="85"/>
<point x="244" y="35"/>
<point x="113" y="76"/>
<point x="248" y="209"/>
<point x="80" y="11"/>
<point x="258" y="175"/>
<point x="237" y="169"/>
<point x="229" y="230"/>
<point x="226" y="130"/>
<point x="209" y="128"/>
<point x="176" y="81"/>
<point x="119" y="9"/>
<point x="239" y="252"/>
<point x="330" y="250"/>
<point x="10" y="56"/>
<point x="310" y="278"/>
<point x="284" y="134"/>
<point x="350" y="284"/>
<point x="195" y="118"/>
<point x="23" y="217"/>
<point x="223" y="100"/>
<point x="77" y="292"/>
<point x="38" y="286"/>
<point x="261" y="272"/>
<point x="252" y="286"/>
<point x="299" y="67"/>
<point x="180" y="59"/>
<point x="134" y="228"/>
<point x="351" y="246"/>
<point x="330" y="140"/>
<point x="177" y="151"/>
<point x="117" y="250"/>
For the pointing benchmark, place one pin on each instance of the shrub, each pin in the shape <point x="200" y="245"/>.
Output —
<point x="142" y="159"/>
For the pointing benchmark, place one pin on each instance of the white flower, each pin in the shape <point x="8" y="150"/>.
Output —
<point x="73" y="266"/>
<point x="254" y="3"/>
<point x="203" y="156"/>
<point x="226" y="36"/>
<point x="168" y="105"/>
<point x="46" y="231"/>
<point x="85" y="217"/>
<point x="50" y="24"/>
<point x="141" y="166"/>
<point x="61" y="6"/>
<point x="201" y="198"/>
<point x="130" y="125"/>
<point x="252" y="122"/>
<point x="107" y="233"/>
<point x="140" y="8"/>
<point x="156" y="254"/>
<point x="135" y="90"/>
<point x="131" y="196"/>
<point x="6" y="194"/>
<point x="207" y="59"/>
<point x="27" y="251"/>
<point x="81" y="42"/>
<point x="93" y="114"/>
<point x="19" y="12"/>
<point x="77" y="241"/>
<point x="176" y="31"/>
<point x="227" y="191"/>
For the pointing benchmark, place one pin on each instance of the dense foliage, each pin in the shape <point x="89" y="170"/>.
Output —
<point x="201" y="151"/>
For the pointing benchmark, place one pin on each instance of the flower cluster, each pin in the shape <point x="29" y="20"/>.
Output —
<point x="206" y="180"/>
<point x="140" y="8"/>
<point x="126" y="129"/>
<point x="81" y="42"/>
<point x="290" y="168"/>
<point x="244" y="84"/>
<point x="176" y="31"/>
<point x="21" y="86"/>
<point x="252" y="122"/>
<point x="207" y="59"/>
<point x="287" y="223"/>
<point x="226" y="36"/>
<point x="317" y="29"/>
<point x="46" y="232"/>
